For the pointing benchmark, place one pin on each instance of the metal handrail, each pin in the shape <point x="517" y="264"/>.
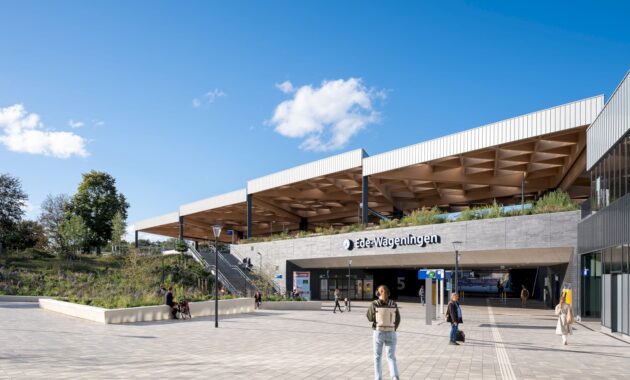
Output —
<point x="220" y="276"/>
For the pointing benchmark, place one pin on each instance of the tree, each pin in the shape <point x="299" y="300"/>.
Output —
<point x="97" y="201"/>
<point x="53" y="214"/>
<point x="74" y="233"/>
<point x="12" y="201"/>
<point x="119" y="227"/>
<point x="26" y="234"/>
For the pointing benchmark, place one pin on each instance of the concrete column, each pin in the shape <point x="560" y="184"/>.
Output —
<point x="397" y="214"/>
<point x="303" y="224"/>
<point x="250" y="228"/>
<point x="196" y="245"/>
<point x="428" y="304"/>
<point x="364" y="201"/>
<point x="136" y="240"/>
<point x="181" y="228"/>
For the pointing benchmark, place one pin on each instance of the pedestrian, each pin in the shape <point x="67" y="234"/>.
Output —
<point x="257" y="300"/>
<point x="421" y="294"/>
<point x="337" y="305"/>
<point x="499" y="288"/>
<point x="385" y="318"/>
<point x="454" y="317"/>
<point x="564" y="311"/>
<point x="524" y="296"/>
<point x="170" y="302"/>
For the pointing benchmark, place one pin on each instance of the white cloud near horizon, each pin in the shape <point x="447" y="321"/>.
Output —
<point x="208" y="98"/>
<point x="75" y="124"/>
<point x="326" y="117"/>
<point x="24" y="132"/>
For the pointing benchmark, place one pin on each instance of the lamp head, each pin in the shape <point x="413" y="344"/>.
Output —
<point x="216" y="229"/>
<point x="457" y="245"/>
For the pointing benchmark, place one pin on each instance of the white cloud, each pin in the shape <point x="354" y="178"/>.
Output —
<point x="98" y="123"/>
<point x="32" y="210"/>
<point x="326" y="117"/>
<point x="208" y="98"/>
<point x="75" y="124"/>
<point x="24" y="132"/>
<point x="286" y="87"/>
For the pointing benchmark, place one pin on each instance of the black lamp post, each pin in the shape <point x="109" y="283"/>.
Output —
<point x="216" y="229"/>
<point x="349" y="288"/>
<point x="456" y="247"/>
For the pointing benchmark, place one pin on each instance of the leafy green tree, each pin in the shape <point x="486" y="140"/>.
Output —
<point x="97" y="201"/>
<point x="53" y="214"/>
<point x="12" y="201"/>
<point x="75" y="234"/>
<point x="26" y="234"/>
<point x="119" y="227"/>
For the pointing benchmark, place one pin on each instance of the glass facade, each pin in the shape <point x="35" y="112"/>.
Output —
<point x="609" y="177"/>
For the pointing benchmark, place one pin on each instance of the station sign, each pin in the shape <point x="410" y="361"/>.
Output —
<point x="437" y="274"/>
<point x="393" y="243"/>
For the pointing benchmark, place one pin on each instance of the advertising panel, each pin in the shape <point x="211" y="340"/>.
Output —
<point x="302" y="284"/>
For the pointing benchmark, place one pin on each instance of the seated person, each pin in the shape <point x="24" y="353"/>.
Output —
<point x="171" y="303"/>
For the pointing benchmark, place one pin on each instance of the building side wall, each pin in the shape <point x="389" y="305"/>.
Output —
<point x="608" y="227"/>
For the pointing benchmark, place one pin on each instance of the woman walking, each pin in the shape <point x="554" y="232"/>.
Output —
<point x="565" y="319"/>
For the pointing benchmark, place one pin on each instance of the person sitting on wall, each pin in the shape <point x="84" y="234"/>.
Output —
<point x="171" y="303"/>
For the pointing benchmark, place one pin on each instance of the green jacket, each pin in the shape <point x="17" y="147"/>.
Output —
<point x="378" y="303"/>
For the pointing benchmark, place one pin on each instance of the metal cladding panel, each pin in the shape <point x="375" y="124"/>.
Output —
<point x="157" y="221"/>
<point x="329" y="165"/>
<point x="227" y="199"/>
<point x="611" y="124"/>
<point x="567" y="116"/>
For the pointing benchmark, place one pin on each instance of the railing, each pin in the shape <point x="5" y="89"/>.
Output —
<point x="220" y="276"/>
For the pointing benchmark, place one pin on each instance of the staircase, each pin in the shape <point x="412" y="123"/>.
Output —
<point x="231" y="276"/>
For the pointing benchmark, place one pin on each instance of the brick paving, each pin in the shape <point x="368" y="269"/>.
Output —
<point x="37" y="344"/>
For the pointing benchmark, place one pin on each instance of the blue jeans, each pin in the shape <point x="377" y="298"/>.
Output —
<point x="453" y="332"/>
<point x="387" y="338"/>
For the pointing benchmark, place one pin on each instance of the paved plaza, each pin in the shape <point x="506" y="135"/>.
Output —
<point x="501" y="343"/>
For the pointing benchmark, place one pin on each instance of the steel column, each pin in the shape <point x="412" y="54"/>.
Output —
<point x="364" y="201"/>
<point x="249" y="215"/>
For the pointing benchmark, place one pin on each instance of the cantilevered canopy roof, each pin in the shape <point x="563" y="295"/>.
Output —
<point x="326" y="192"/>
<point x="546" y="149"/>
<point x="541" y="150"/>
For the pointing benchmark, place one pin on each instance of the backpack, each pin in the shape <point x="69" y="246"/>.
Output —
<point x="385" y="316"/>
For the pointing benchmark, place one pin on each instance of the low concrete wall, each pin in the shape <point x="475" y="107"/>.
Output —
<point x="21" y="298"/>
<point x="145" y="313"/>
<point x="92" y="313"/>
<point x="291" y="305"/>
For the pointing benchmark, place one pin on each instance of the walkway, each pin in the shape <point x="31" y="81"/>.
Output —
<point x="501" y="343"/>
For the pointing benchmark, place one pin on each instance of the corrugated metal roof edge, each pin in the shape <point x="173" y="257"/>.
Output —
<point x="610" y="97"/>
<point x="376" y="156"/>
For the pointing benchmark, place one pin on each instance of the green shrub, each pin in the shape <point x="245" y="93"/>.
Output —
<point x="555" y="201"/>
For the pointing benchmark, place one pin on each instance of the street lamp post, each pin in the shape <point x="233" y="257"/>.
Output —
<point x="349" y="294"/>
<point x="216" y="229"/>
<point x="456" y="247"/>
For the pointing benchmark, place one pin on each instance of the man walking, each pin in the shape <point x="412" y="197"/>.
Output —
<point x="454" y="317"/>
<point x="337" y="305"/>
<point x="421" y="294"/>
<point x="385" y="318"/>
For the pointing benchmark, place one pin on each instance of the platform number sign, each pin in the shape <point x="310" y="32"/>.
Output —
<point x="401" y="283"/>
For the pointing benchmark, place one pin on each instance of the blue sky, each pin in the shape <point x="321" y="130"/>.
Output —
<point x="178" y="100"/>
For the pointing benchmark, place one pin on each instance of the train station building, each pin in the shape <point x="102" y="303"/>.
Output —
<point x="333" y="216"/>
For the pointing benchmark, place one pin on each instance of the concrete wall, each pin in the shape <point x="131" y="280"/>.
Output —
<point x="21" y="298"/>
<point x="543" y="231"/>
<point x="145" y="313"/>
<point x="291" y="305"/>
